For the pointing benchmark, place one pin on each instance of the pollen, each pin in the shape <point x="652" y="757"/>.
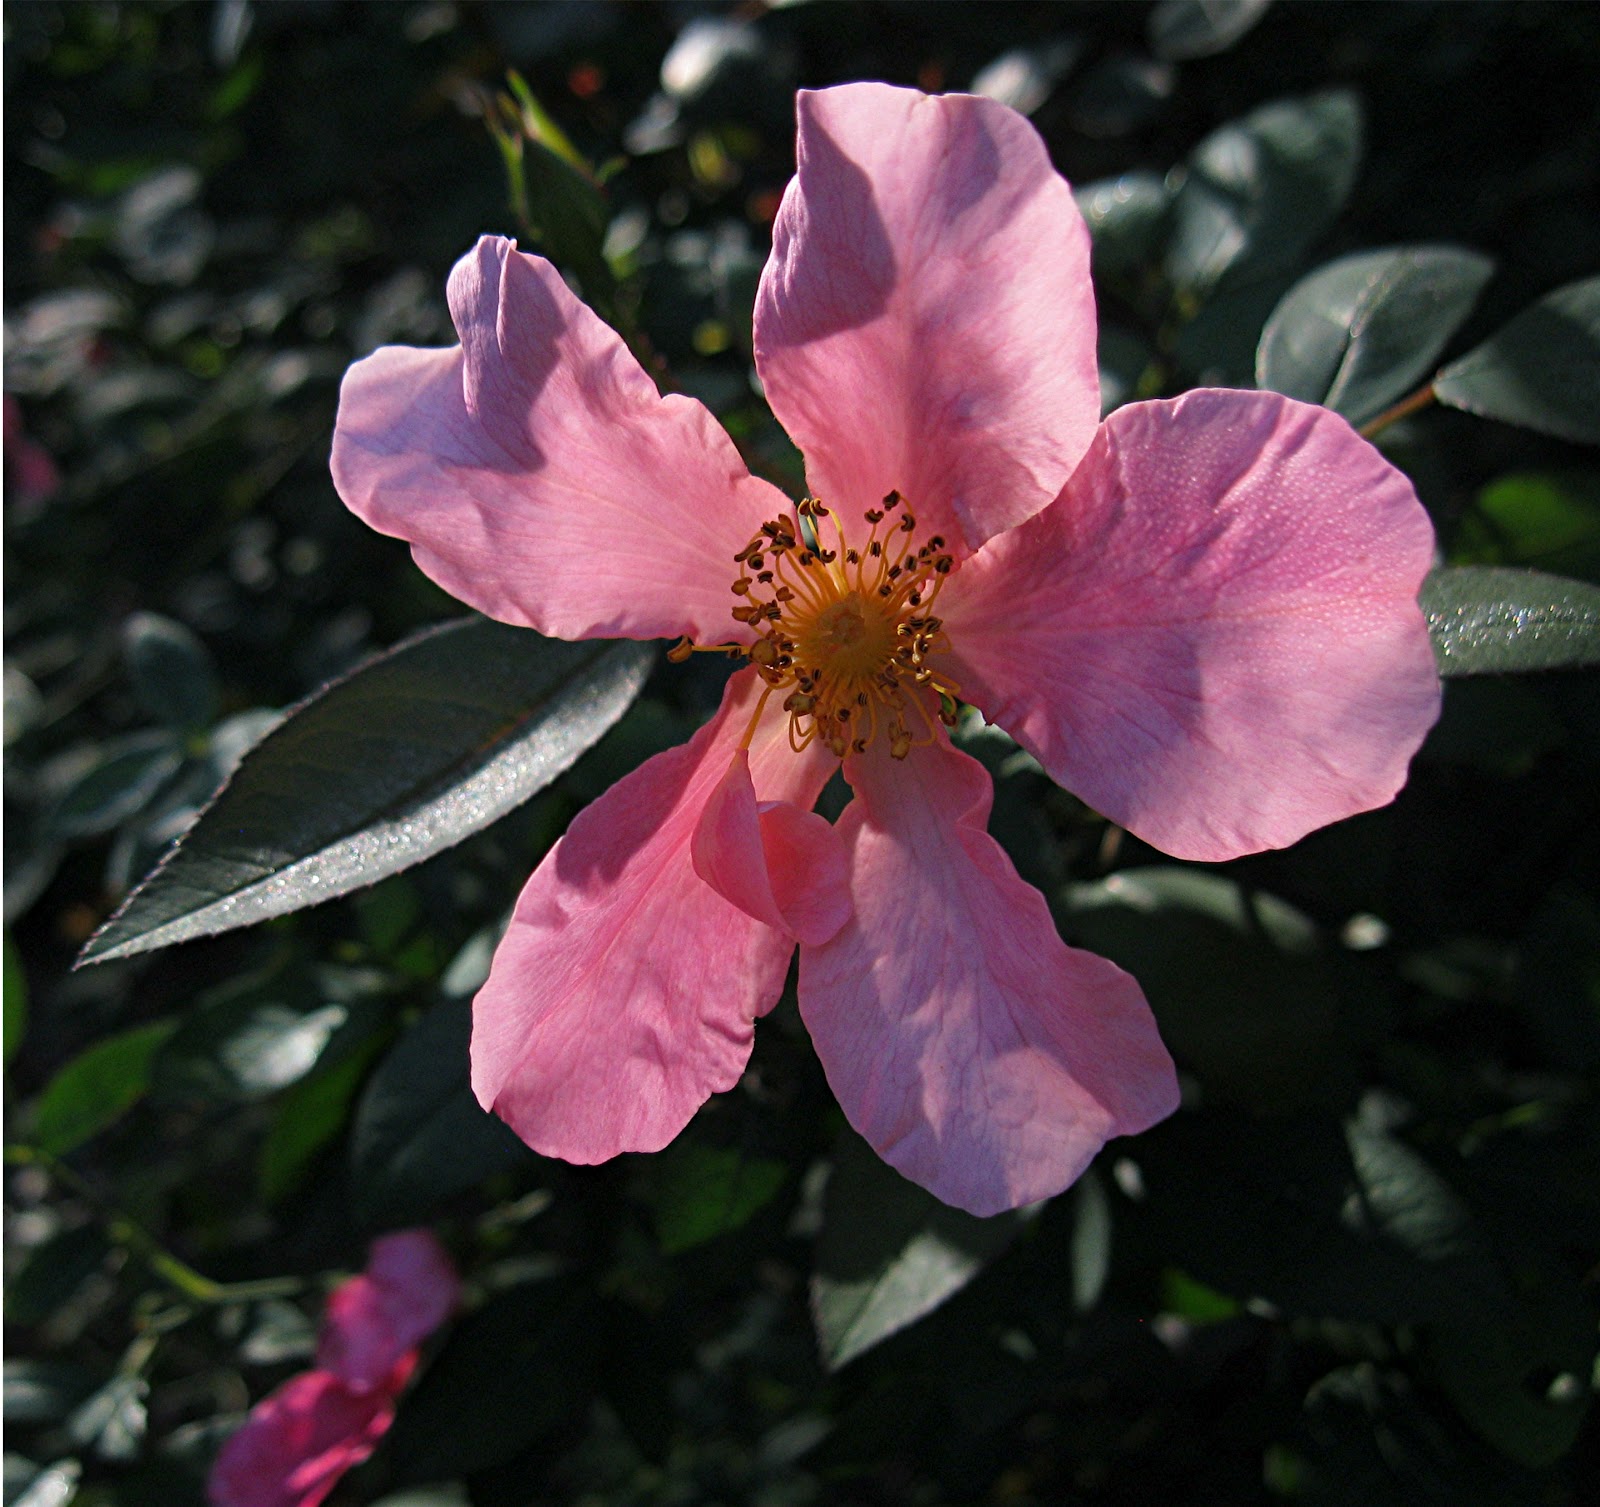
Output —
<point x="847" y="630"/>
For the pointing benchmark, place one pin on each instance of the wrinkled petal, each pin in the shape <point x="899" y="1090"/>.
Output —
<point x="296" y="1443"/>
<point x="979" y="1054"/>
<point x="1213" y="636"/>
<point x="926" y="321"/>
<point x="781" y="864"/>
<point x="626" y="990"/>
<point x="537" y="473"/>
<point x="407" y="1291"/>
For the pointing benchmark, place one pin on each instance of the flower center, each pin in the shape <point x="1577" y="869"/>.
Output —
<point x="848" y="632"/>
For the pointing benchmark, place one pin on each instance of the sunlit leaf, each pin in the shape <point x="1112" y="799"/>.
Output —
<point x="44" y="1391"/>
<point x="889" y="1253"/>
<point x="1490" y="620"/>
<point x="1359" y="332"/>
<point x="1183" y="29"/>
<point x="402" y="758"/>
<point x="112" y="1423"/>
<point x="256" y="1038"/>
<point x="55" y="1486"/>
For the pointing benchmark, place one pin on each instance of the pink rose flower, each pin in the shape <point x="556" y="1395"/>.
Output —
<point x="297" y="1442"/>
<point x="1200" y="616"/>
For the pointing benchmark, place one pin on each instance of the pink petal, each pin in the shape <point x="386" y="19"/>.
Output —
<point x="538" y="474"/>
<point x="776" y="862"/>
<point x="926" y="321"/>
<point x="626" y="990"/>
<point x="297" y="1442"/>
<point x="979" y="1054"/>
<point x="407" y="1291"/>
<point x="1212" y="636"/>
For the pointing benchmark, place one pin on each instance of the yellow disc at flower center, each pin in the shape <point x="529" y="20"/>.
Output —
<point x="848" y="631"/>
<point x="853" y="638"/>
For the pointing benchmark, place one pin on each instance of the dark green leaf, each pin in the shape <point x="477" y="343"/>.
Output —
<point x="1259" y="191"/>
<point x="1557" y="981"/>
<point x="16" y="1000"/>
<point x="1321" y="1222"/>
<point x="97" y="1087"/>
<point x="427" y="1496"/>
<point x="1217" y="347"/>
<point x="700" y="1192"/>
<point x="1126" y="217"/>
<point x="1374" y="1441"/>
<point x="1239" y="982"/>
<point x="1523" y="1379"/>
<point x="172" y="674"/>
<point x="1489" y="722"/>
<point x="253" y="1040"/>
<point x="1541" y="371"/>
<point x="121" y="777"/>
<point x="43" y="1391"/>
<point x="279" y="1331"/>
<point x="889" y="1253"/>
<point x="511" y="1372"/>
<point x="555" y="191"/>
<point x="49" y="1275"/>
<point x="419" y="1136"/>
<point x="1486" y="620"/>
<point x="399" y="760"/>
<point x="1182" y="29"/>
<point x="1547" y="520"/>
<point x="1124" y="359"/>
<point x="1359" y="332"/>
<point x="310" y="1115"/>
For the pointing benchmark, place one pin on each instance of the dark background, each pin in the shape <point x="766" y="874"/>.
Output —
<point x="1358" y="1267"/>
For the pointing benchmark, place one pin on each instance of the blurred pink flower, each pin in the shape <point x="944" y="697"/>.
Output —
<point x="298" y="1442"/>
<point x="1200" y="616"/>
<point x="29" y="466"/>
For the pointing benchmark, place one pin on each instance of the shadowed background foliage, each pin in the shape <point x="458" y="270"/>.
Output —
<point x="1359" y="1266"/>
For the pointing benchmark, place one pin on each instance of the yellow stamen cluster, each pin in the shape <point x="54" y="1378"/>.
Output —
<point x="848" y="632"/>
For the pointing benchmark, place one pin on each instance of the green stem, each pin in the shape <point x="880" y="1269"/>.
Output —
<point x="132" y="1236"/>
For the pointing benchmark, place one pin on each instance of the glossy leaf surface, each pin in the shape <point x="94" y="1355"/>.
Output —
<point x="399" y="760"/>
<point x="1541" y="371"/>
<point x="1358" y="333"/>
<point x="1491" y="620"/>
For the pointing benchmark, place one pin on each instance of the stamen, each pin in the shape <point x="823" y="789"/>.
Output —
<point x="845" y="631"/>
